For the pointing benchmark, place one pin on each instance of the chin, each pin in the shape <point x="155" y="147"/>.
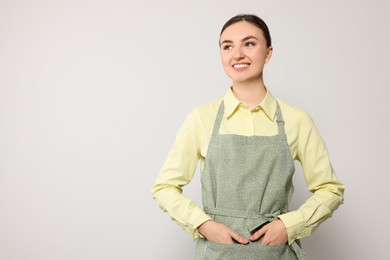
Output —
<point x="242" y="79"/>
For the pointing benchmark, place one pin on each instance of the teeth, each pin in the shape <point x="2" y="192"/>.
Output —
<point x="242" y="65"/>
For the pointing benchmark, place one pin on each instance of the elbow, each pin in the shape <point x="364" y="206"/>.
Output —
<point x="334" y="187"/>
<point x="165" y="195"/>
<point x="332" y="194"/>
<point x="160" y="191"/>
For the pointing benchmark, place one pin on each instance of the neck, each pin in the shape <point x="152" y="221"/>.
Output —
<point x="251" y="93"/>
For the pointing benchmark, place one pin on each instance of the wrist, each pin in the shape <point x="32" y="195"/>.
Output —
<point x="202" y="227"/>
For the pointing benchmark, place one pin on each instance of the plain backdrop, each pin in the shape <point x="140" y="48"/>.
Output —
<point x="92" y="94"/>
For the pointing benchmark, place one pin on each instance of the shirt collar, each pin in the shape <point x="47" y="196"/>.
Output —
<point x="268" y="105"/>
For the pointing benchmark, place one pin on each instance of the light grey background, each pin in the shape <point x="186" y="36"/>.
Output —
<point x="93" y="92"/>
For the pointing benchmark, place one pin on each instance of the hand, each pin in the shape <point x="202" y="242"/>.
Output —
<point x="219" y="233"/>
<point x="274" y="233"/>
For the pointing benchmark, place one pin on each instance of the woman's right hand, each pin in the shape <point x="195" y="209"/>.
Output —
<point x="219" y="233"/>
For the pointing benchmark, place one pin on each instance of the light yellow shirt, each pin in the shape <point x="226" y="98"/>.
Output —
<point x="306" y="146"/>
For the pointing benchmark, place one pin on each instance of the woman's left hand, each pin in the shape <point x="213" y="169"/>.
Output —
<point x="274" y="233"/>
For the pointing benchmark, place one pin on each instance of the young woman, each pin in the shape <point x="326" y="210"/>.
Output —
<point x="247" y="142"/>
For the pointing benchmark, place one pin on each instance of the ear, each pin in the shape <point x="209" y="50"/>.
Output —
<point x="269" y="54"/>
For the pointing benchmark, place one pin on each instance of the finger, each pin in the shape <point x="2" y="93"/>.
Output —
<point x="259" y="233"/>
<point x="238" y="238"/>
<point x="276" y="234"/>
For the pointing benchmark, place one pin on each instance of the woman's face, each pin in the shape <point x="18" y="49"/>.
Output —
<point x="244" y="52"/>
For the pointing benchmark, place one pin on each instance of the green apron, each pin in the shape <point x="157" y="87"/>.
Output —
<point x="246" y="183"/>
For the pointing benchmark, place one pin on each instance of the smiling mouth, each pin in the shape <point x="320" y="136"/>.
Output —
<point x="241" y="65"/>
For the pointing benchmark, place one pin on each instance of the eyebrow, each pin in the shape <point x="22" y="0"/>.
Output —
<point x="243" y="40"/>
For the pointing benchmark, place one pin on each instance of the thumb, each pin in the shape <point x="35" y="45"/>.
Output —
<point x="238" y="238"/>
<point x="259" y="233"/>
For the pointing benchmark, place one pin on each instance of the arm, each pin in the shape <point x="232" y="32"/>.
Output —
<point x="177" y="171"/>
<point x="321" y="181"/>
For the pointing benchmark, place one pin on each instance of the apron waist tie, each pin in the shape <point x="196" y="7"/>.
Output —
<point x="298" y="250"/>
<point x="262" y="219"/>
<point x="243" y="214"/>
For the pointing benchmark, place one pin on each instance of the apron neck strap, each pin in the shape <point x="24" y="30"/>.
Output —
<point x="218" y="119"/>
<point x="280" y="122"/>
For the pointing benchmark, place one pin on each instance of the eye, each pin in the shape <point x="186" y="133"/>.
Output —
<point x="250" y="44"/>
<point x="227" y="47"/>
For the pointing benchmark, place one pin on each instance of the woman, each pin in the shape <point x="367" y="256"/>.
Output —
<point x="247" y="143"/>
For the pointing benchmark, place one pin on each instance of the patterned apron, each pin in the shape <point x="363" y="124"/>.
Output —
<point x="246" y="183"/>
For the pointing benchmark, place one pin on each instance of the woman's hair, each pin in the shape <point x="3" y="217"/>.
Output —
<point x="253" y="19"/>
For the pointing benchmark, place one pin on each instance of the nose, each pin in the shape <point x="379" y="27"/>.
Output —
<point x="238" y="54"/>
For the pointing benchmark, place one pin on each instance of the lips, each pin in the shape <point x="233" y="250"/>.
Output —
<point x="241" y="65"/>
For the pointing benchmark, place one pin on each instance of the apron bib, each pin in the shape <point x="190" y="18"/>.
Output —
<point x="246" y="183"/>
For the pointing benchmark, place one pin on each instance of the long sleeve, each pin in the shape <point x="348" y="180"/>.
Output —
<point x="321" y="181"/>
<point x="177" y="171"/>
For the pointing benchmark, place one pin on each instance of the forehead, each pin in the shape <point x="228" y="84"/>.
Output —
<point x="240" y="30"/>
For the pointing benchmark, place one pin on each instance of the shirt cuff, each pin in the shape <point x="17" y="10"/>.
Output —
<point x="295" y="225"/>
<point x="199" y="221"/>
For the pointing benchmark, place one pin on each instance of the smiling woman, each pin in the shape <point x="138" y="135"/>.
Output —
<point x="246" y="143"/>
<point x="244" y="52"/>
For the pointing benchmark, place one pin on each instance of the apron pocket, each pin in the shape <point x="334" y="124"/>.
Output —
<point x="253" y="250"/>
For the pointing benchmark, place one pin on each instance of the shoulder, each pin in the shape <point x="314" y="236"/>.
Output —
<point x="202" y="116"/>
<point x="292" y="112"/>
<point x="296" y="118"/>
<point x="209" y="107"/>
<point x="206" y="111"/>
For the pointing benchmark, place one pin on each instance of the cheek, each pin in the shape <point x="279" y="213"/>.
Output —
<point x="226" y="65"/>
<point x="257" y="54"/>
<point x="225" y="58"/>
